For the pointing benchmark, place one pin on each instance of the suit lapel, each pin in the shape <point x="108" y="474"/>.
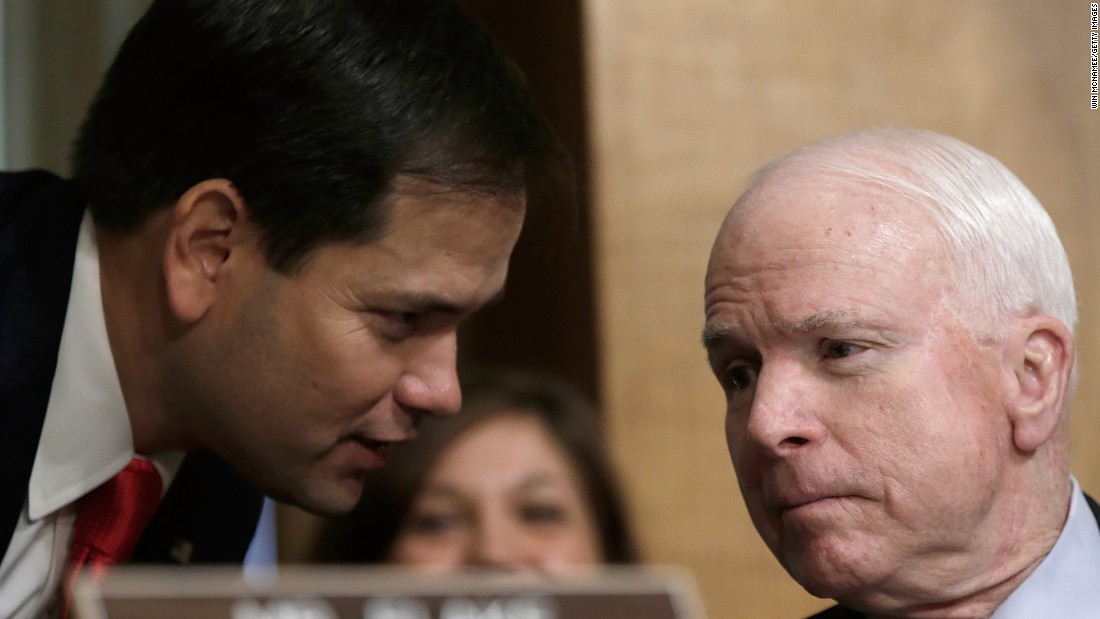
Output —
<point x="208" y="516"/>
<point x="39" y="220"/>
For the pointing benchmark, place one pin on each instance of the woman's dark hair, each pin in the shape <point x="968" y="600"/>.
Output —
<point x="311" y="108"/>
<point x="368" y="533"/>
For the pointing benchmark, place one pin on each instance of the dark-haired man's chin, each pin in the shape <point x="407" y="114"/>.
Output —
<point x="322" y="498"/>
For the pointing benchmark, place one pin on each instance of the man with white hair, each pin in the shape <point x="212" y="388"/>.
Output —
<point x="890" y="314"/>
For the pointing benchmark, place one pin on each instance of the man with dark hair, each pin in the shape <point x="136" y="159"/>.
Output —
<point x="280" y="212"/>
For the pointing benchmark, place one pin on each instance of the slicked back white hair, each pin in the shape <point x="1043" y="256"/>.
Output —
<point x="1008" y="259"/>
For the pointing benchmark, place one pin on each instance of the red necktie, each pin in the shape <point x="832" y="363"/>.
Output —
<point x="111" y="520"/>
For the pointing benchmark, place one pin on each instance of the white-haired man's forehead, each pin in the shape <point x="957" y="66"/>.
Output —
<point x="902" y="208"/>
<point x="831" y="172"/>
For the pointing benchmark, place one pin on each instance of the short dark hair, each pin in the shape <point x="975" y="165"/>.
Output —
<point x="311" y="108"/>
<point x="368" y="533"/>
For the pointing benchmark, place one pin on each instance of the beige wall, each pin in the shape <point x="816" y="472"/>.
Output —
<point x="686" y="98"/>
<point x="52" y="56"/>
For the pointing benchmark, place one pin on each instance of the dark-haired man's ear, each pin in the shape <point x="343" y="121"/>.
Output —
<point x="200" y="240"/>
<point x="1043" y="359"/>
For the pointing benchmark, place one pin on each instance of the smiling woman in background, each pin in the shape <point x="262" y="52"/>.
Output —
<point x="518" y="480"/>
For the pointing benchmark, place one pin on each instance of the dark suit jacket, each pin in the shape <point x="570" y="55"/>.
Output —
<point x="209" y="513"/>
<point x="839" y="612"/>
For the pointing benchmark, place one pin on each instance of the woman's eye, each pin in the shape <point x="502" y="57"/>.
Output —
<point x="542" y="514"/>
<point x="432" y="523"/>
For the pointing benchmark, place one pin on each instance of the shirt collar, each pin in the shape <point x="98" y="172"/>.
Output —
<point x="86" y="436"/>
<point x="1064" y="584"/>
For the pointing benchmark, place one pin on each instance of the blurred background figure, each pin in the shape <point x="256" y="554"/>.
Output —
<point x="519" y="480"/>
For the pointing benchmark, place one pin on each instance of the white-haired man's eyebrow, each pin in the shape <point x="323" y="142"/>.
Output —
<point x="846" y="323"/>
<point x="714" y="333"/>
<point x="831" y="319"/>
<point x="826" y="319"/>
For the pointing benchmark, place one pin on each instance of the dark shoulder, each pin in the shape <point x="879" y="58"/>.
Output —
<point x="37" y="202"/>
<point x="16" y="186"/>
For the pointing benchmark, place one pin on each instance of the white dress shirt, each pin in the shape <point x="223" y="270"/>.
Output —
<point x="86" y="439"/>
<point x="1067" y="582"/>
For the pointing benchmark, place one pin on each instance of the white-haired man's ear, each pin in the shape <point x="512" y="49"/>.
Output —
<point x="200" y="241"/>
<point x="1042" y="358"/>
